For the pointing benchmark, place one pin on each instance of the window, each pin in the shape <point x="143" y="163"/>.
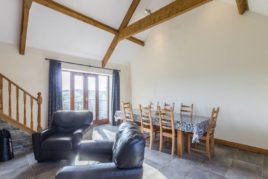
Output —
<point x="66" y="90"/>
<point x="82" y="91"/>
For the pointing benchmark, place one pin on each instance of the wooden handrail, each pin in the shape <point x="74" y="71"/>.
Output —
<point x="20" y="88"/>
<point x="26" y="96"/>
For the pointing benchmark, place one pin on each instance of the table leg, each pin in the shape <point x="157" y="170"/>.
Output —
<point x="180" y="143"/>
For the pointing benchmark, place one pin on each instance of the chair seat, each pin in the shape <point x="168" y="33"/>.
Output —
<point x="58" y="142"/>
<point x="204" y="137"/>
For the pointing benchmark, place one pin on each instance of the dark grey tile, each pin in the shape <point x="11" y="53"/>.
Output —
<point x="248" y="167"/>
<point x="265" y="161"/>
<point x="222" y="151"/>
<point x="178" y="168"/>
<point x="265" y="167"/>
<point x="219" y="168"/>
<point x="250" y="157"/>
<point x="234" y="173"/>
<point x="157" y="159"/>
<point x="156" y="175"/>
<point x="202" y="174"/>
<point x="195" y="157"/>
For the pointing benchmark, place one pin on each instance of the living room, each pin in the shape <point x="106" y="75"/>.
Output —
<point x="105" y="71"/>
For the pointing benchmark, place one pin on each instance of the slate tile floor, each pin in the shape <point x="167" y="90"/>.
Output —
<point x="227" y="163"/>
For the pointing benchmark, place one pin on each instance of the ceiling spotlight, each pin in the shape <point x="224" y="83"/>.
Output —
<point x="148" y="11"/>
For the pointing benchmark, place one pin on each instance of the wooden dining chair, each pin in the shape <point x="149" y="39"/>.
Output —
<point x="169" y="106"/>
<point x="147" y="123"/>
<point x="187" y="109"/>
<point x="167" y="127"/>
<point x="154" y="106"/>
<point x="128" y="112"/>
<point x="207" y="141"/>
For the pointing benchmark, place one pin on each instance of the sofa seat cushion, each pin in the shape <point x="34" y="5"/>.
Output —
<point x="58" y="142"/>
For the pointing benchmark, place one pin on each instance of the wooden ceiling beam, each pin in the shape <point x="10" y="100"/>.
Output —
<point x="124" y="23"/>
<point x="242" y="6"/>
<point x="26" y="5"/>
<point x="172" y="10"/>
<point x="79" y="16"/>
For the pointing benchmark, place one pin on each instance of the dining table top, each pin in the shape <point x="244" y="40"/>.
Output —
<point x="195" y="124"/>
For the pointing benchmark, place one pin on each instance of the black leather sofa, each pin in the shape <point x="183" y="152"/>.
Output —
<point x="121" y="159"/>
<point x="61" y="139"/>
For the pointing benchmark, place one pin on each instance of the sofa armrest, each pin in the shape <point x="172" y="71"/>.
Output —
<point x="101" y="151"/>
<point x="38" y="138"/>
<point x="78" y="135"/>
<point x="100" y="171"/>
<point x="41" y="136"/>
<point x="96" y="147"/>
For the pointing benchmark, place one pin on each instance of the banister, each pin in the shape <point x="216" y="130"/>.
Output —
<point x="20" y="88"/>
<point x="25" y="97"/>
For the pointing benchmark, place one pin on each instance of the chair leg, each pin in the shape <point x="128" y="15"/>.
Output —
<point x="208" y="149"/>
<point x="151" y="139"/>
<point x="161" y="143"/>
<point x="173" y="146"/>
<point x="212" y="145"/>
<point x="189" y="143"/>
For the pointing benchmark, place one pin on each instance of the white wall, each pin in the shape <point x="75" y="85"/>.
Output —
<point x="210" y="57"/>
<point x="31" y="72"/>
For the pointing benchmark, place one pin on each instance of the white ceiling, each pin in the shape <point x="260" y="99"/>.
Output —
<point x="50" y="30"/>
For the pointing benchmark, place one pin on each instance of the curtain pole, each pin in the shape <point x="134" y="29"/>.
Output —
<point x="90" y="66"/>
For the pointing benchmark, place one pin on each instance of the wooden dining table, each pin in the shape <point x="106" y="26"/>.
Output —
<point x="197" y="125"/>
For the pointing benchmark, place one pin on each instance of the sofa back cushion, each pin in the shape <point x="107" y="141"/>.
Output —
<point x="69" y="121"/>
<point x="129" y="146"/>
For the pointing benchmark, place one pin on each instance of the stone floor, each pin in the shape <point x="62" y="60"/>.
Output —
<point x="228" y="163"/>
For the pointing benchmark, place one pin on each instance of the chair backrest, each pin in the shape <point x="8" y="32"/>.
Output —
<point x="129" y="147"/>
<point x="146" y="117"/>
<point x="213" y="120"/>
<point x="187" y="109"/>
<point x="128" y="113"/>
<point x="69" y="121"/>
<point x="169" y="106"/>
<point x="154" y="106"/>
<point x="166" y="119"/>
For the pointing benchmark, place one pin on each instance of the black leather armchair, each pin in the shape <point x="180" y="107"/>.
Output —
<point x="121" y="159"/>
<point x="61" y="139"/>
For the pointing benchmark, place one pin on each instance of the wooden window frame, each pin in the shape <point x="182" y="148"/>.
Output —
<point x="97" y="121"/>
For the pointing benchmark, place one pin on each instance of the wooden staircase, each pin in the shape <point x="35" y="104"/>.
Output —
<point x="11" y="105"/>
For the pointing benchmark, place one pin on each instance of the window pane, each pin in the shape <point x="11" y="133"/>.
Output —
<point x="66" y="90"/>
<point x="103" y="97"/>
<point x="78" y="93"/>
<point x="92" y="95"/>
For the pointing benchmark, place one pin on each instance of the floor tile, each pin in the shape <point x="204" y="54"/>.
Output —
<point x="265" y="167"/>
<point x="156" y="176"/>
<point x="251" y="157"/>
<point x="198" y="173"/>
<point x="178" y="168"/>
<point x="219" y="168"/>
<point x="248" y="167"/>
<point x="234" y="173"/>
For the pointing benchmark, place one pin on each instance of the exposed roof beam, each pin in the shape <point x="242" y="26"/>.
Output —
<point x="26" y="5"/>
<point x="79" y="16"/>
<point x="172" y="10"/>
<point x="124" y="23"/>
<point x="242" y="6"/>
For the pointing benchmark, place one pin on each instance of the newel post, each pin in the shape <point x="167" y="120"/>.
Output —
<point x="39" y="103"/>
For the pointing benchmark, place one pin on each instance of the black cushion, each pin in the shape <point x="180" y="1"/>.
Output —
<point x="128" y="149"/>
<point x="58" y="142"/>
<point x="69" y="121"/>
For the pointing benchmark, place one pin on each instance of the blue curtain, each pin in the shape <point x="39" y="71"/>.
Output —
<point x="55" y="88"/>
<point x="115" y="94"/>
